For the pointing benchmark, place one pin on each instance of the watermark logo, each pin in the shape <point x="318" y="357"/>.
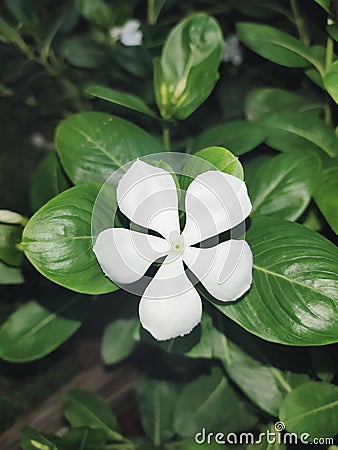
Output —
<point x="275" y="435"/>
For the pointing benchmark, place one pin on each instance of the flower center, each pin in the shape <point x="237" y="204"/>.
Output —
<point x="177" y="247"/>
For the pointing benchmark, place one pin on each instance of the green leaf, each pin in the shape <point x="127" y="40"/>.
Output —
<point x="187" y="71"/>
<point x="275" y="45"/>
<point x="331" y="81"/>
<point x="293" y="299"/>
<point x="288" y="131"/>
<point x="93" y="145"/>
<point x="326" y="194"/>
<point x="82" y="52"/>
<point x="238" y="136"/>
<point x="33" y="440"/>
<point x="98" y="12"/>
<point x="121" y="98"/>
<point x="12" y="35"/>
<point x="10" y="275"/>
<point x="201" y="404"/>
<point x="11" y="217"/>
<point x="156" y="401"/>
<point x="86" y="409"/>
<point x="83" y="439"/>
<point x="48" y="181"/>
<point x="119" y="339"/>
<point x="10" y="236"/>
<point x="311" y="408"/>
<point x="283" y="185"/>
<point x="261" y="8"/>
<point x="261" y="102"/>
<point x="324" y="4"/>
<point x="220" y="157"/>
<point x="38" y="328"/>
<point x="58" y="241"/>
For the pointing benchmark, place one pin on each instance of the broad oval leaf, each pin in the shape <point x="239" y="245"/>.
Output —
<point x="33" y="440"/>
<point x="283" y="185"/>
<point x="92" y="145"/>
<point x="120" y="98"/>
<point x="10" y="275"/>
<point x="326" y="194"/>
<point x="311" y="408"/>
<point x="156" y="402"/>
<point x="187" y="70"/>
<point x="119" y="339"/>
<point x="293" y="299"/>
<point x="238" y="136"/>
<point x="275" y="45"/>
<point x="58" y="242"/>
<point x="331" y="81"/>
<point x="38" y="328"/>
<point x="86" y="409"/>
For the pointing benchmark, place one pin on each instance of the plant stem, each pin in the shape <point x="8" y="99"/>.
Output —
<point x="328" y="62"/>
<point x="166" y="138"/>
<point x="151" y="19"/>
<point x="299" y="21"/>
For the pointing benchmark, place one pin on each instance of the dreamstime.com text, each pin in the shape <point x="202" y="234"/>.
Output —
<point x="279" y="436"/>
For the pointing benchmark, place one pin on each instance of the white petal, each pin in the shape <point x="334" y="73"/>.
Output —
<point x="225" y="270"/>
<point x="126" y="255"/>
<point x="170" y="305"/>
<point x="215" y="202"/>
<point x="147" y="195"/>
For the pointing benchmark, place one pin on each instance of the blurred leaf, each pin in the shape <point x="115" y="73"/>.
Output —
<point x="156" y="402"/>
<point x="10" y="236"/>
<point x="238" y="136"/>
<point x="186" y="73"/>
<point x="10" y="275"/>
<point x="283" y="185"/>
<point x="322" y="362"/>
<point x="261" y="102"/>
<point x="82" y="52"/>
<point x="261" y="8"/>
<point x="331" y="81"/>
<point x="48" y="181"/>
<point x="38" y="328"/>
<point x="83" y="439"/>
<point x="12" y="218"/>
<point x="201" y="404"/>
<point x="12" y="35"/>
<point x="288" y="130"/>
<point x="98" y="12"/>
<point x="58" y="241"/>
<point x="121" y="98"/>
<point x="326" y="194"/>
<point x="90" y="145"/>
<point x="33" y="440"/>
<point x="311" y="408"/>
<point x="86" y="409"/>
<point x="275" y="45"/>
<point x="119" y="339"/>
<point x="293" y="298"/>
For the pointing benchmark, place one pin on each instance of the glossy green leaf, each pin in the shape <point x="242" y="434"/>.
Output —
<point x="324" y="4"/>
<point x="311" y="408"/>
<point x="10" y="275"/>
<point x="331" y="81"/>
<point x="293" y="298"/>
<point x="283" y="185"/>
<point x="33" y="440"/>
<point x="47" y="181"/>
<point x="326" y="194"/>
<point x="58" y="241"/>
<point x="38" y="328"/>
<point x="288" y="131"/>
<point x="156" y="402"/>
<point x="261" y="102"/>
<point x="10" y="237"/>
<point x="119" y="339"/>
<point x="210" y="393"/>
<point x="121" y="98"/>
<point x="238" y="136"/>
<point x="275" y="45"/>
<point x="93" y="145"/>
<point x="187" y="70"/>
<point x="86" y="409"/>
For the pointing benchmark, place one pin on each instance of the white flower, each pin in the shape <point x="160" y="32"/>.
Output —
<point x="130" y="34"/>
<point x="232" y="51"/>
<point x="215" y="202"/>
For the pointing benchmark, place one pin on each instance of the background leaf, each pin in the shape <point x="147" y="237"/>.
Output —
<point x="311" y="408"/>
<point x="93" y="145"/>
<point x="293" y="299"/>
<point x="33" y="440"/>
<point x="10" y="275"/>
<point x="58" y="241"/>
<point x="331" y="81"/>
<point x="10" y="236"/>
<point x="38" y="328"/>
